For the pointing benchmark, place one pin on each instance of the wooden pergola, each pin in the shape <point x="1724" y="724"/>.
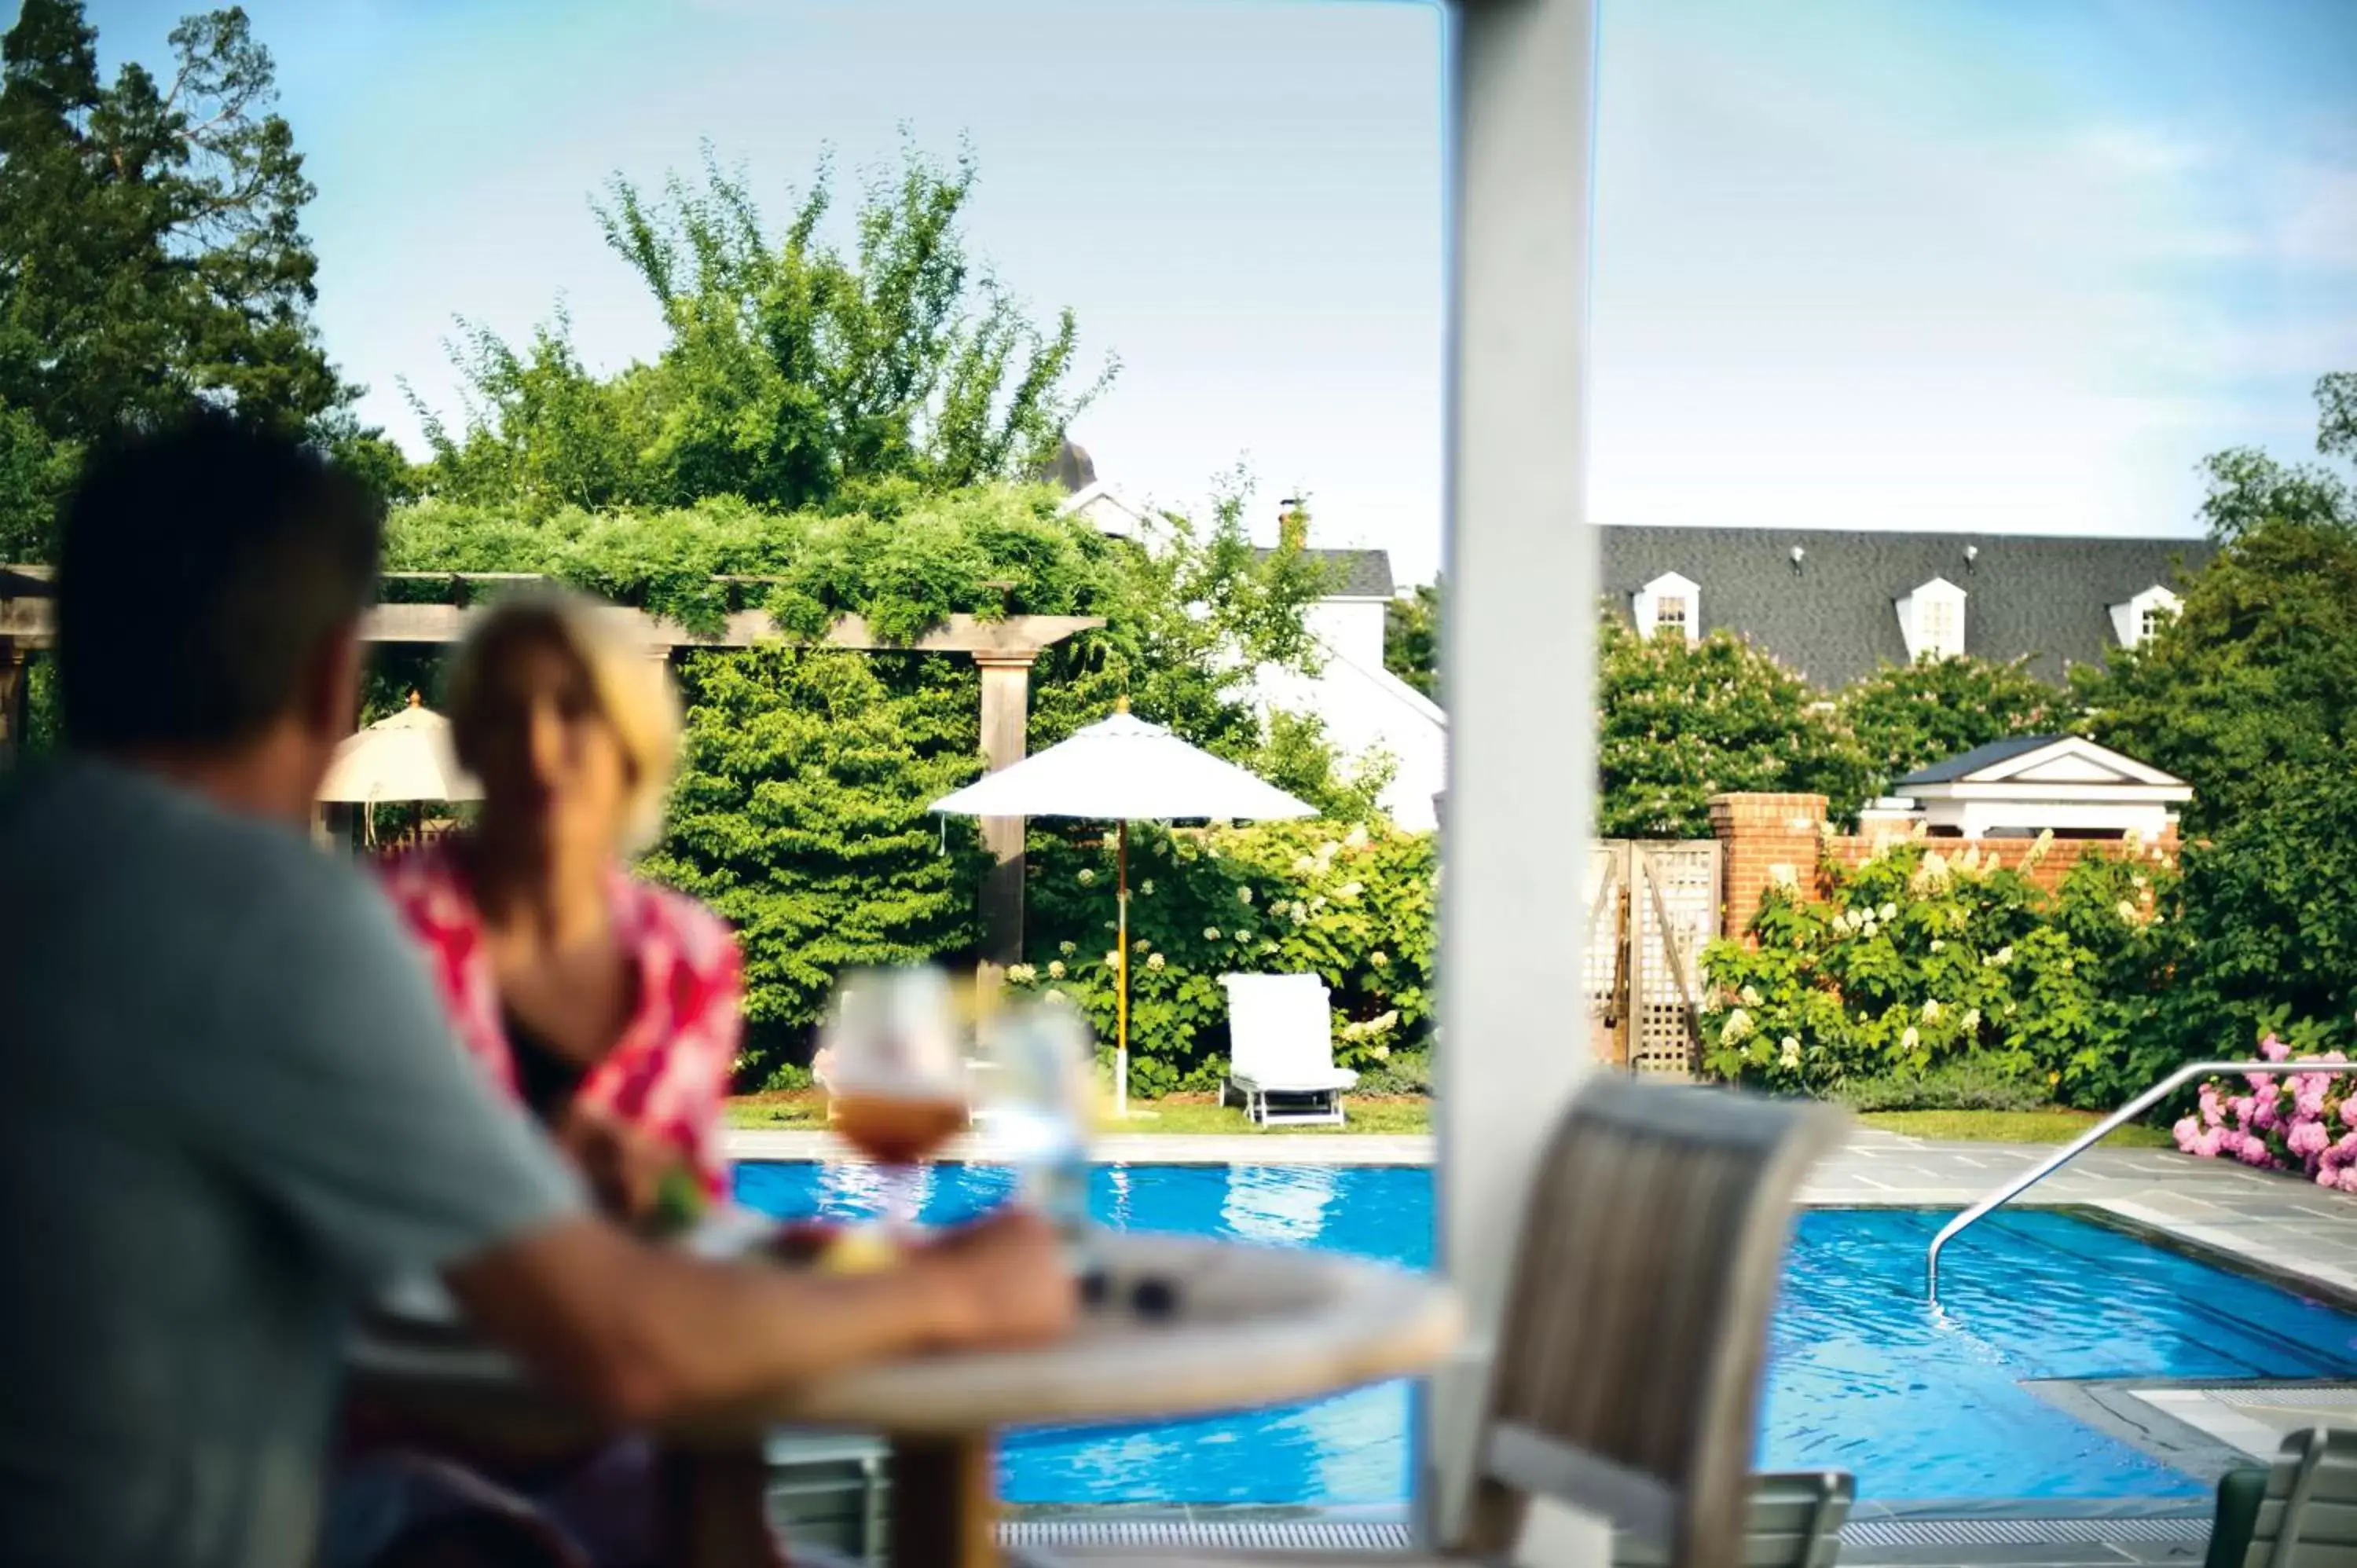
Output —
<point x="1004" y="649"/>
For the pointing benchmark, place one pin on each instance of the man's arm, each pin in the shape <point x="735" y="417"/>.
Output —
<point x="642" y="1333"/>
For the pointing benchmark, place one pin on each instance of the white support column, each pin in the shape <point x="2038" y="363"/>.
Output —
<point x="1519" y="662"/>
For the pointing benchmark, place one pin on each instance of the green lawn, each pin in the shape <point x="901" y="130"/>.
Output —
<point x="1180" y="1113"/>
<point x="1197" y="1114"/>
<point x="2009" y="1127"/>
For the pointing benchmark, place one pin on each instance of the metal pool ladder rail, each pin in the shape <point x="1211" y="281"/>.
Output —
<point x="2096" y="1134"/>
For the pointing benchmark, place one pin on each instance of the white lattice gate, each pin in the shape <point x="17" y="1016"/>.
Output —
<point x="1652" y="906"/>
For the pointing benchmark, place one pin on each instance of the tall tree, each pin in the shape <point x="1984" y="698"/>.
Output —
<point x="1412" y="637"/>
<point x="793" y="375"/>
<point x="1911" y="715"/>
<point x="2248" y="687"/>
<point x="151" y="244"/>
<point x="1682" y="722"/>
<point x="151" y="231"/>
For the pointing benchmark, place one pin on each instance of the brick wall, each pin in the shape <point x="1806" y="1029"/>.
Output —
<point x="1772" y="838"/>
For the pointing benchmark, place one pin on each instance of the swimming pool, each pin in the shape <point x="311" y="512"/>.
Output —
<point x="1863" y="1377"/>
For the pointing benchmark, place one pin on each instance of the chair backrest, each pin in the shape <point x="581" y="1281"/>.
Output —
<point x="1627" y="1379"/>
<point x="1278" y="1024"/>
<point x="2309" y="1517"/>
<point x="1794" y="1522"/>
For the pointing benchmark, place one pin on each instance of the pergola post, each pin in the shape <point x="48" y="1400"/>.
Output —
<point x="15" y="682"/>
<point x="1006" y="713"/>
<point x="1521" y="568"/>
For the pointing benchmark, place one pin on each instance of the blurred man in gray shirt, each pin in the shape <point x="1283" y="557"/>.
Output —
<point x="230" y="1106"/>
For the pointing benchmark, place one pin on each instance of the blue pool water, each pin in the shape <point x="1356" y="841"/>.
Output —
<point x="1864" y="1378"/>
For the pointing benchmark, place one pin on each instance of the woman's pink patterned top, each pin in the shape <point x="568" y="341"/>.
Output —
<point x="668" y="1073"/>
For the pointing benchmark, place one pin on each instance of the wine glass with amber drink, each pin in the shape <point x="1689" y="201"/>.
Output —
<point x="897" y="1074"/>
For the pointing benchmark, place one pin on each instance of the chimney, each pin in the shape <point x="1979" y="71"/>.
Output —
<point x="1293" y="524"/>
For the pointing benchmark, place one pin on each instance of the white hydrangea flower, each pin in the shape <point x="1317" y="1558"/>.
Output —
<point x="1113" y="958"/>
<point x="1147" y="887"/>
<point x="1303" y="865"/>
<point x="1930" y="1009"/>
<point x="1750" y="996"/>
<point x="1022" y="973"/>
<point x="1971" y="1020"/>
<point x="1243" y="936"/>
<point x="1737" y="1026"/>
<point x="1790" y="1060"/>
<point x="2126" y="912"/>
<point x="1055" y="968"/>
<point x="1349" y="890"/>
<point x="1356" y="837"/>
<point x="1243" y="895"/>
<point x="1154" y="962"/>
<point x="1067" y="949"/>
<point x="1887" y="914"/>
<point x="1087" y="878"/>
<point x="1909" y="1038"/>
<point x="1939" y="945"/>
<point x="2005" y="955"/>
<point x="1378" y="958"/>
<point x="1210" y="933"/>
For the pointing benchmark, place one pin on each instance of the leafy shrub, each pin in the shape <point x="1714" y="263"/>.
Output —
<point x="2291" y="1120"/>
<point x="1681" y="722"/>
<point x="1351" y="904"/>
<point x="1908" y="716"/>
<point x="1963" y="1085"/>
<point x="1917" y="962"/>
<point x="1404" y="1074"/>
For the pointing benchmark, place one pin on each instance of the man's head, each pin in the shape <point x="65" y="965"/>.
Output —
<point x="210" y="585"/>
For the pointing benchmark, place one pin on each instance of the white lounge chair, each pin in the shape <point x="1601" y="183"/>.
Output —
<point x="1281" y="1043"/>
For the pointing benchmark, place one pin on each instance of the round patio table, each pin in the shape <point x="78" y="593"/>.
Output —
<point x="1185" y="1327"/>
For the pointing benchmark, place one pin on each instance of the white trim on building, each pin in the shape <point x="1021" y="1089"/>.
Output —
<point x="1672" y="601"/>
<point x="1931" y="620"/>
<point x="2134" y="620"/>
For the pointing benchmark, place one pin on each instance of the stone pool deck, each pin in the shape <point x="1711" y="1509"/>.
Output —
<point x="2268" y="1224"/>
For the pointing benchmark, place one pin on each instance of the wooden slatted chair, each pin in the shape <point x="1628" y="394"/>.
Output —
<point x="2300" y="1513"/>
<point x="1627" y="1384"/>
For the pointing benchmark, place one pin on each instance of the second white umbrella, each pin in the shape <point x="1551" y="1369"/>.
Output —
<point x="1122" y="769"/>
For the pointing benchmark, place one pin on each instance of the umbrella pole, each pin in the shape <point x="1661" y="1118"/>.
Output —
<point x="1121" y="1005"/>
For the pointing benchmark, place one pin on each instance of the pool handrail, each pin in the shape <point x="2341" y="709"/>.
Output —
<point x="2096" y="1134"/>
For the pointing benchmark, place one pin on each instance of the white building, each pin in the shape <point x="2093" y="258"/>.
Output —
<point x="1364" y="708"/>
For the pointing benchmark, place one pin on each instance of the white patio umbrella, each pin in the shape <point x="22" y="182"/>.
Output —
<point x="1122" y="769"/>
<point x="405" y="757"/>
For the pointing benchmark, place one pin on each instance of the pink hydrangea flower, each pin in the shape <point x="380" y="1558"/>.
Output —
<point x="2188" y="1133"/>
<point x="2260" y="1082"/>
<point x="2265" y="1116"/>
<point x="2213" y="1110"/>
<point x="2274" y="1050"/>
<point x="2349" y="1110"/>
<point x="2255" y="1153"/>
<point x="2348" y="1178"/>
<point x="2307" y="1140"/>
<point x="2346" y="1147"/>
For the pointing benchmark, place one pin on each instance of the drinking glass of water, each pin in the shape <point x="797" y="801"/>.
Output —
<point x="1039" y="1110"/>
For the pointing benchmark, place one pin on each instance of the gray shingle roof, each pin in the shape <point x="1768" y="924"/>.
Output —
<point x="1352" y="574"/>
<point x="1834" y="617"/>
<point x="1973" y="761"/>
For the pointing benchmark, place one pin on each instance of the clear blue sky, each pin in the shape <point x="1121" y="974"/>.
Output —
<point x="1984" y="263"/>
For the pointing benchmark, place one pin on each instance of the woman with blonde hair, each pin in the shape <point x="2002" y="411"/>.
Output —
<point x="609" y="1007"/>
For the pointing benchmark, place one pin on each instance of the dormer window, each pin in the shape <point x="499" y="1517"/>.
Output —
<point x="1669" y="606"/>
<point x="1931" y="620"/>
<point x="2137" y="621"/>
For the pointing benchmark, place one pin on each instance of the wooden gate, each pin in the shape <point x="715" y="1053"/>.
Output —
<point x="1652" y="908"/>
